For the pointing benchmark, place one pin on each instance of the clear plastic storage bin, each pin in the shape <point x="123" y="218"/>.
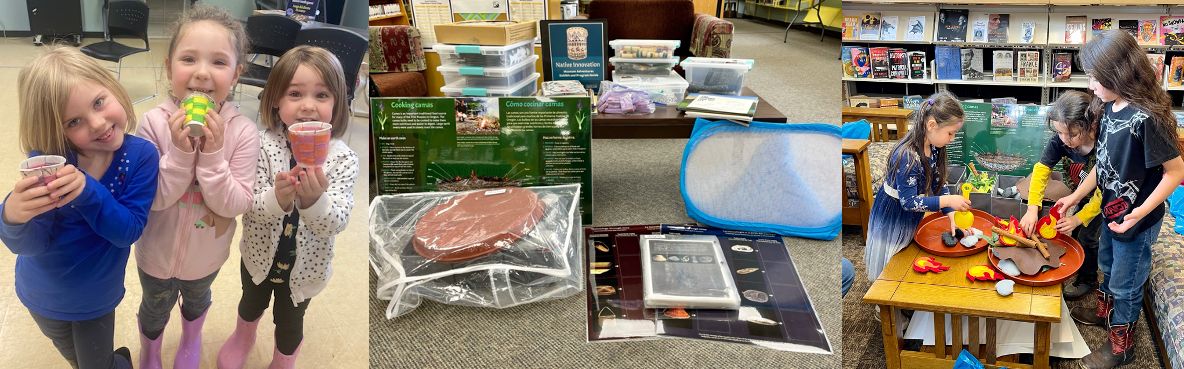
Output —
<point x="484" y="56"/>
<point x="488" y="76"/>
<point x="716" y="75"/>
<point x="648" y="67"/>
<point x="669" y="89"/>
<point x="525" y="87"/>
<point x="649" y="49"/>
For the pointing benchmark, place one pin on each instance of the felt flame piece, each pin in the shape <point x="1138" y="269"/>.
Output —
<point x="1011" y="226"/>
<point x="927" y="264"/>
<point x="983" y="273"/>
<point x="1047" y="225"/>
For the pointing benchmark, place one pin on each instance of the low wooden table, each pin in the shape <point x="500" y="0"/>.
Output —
<point x="863" y="185"/>
<point x="667" y="122"/>
<point x="880" y="119"/>
<point x="950" y="292"/>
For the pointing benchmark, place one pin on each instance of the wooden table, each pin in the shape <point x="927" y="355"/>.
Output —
<point x="858" y="215"/>
<point x="880" y="119"/>
<point x="667" y="122"/>
<point x="950" y="292"/>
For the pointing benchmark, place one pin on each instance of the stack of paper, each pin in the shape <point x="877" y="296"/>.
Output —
<point x="731" y="107"/>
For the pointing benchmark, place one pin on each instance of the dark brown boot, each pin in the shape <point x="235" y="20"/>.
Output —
<point x="1118" y="350"/>
<point x="1097" y="316"/>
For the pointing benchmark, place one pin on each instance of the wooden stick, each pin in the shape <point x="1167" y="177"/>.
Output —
<point x="1040" y="245"/>
<point x="1021" y="241"/>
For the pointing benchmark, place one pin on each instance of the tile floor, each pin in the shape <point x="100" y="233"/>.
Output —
<point x="336" y="321"/>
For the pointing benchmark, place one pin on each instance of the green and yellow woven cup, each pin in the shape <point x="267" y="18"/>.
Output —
<point x="196" y="105"/>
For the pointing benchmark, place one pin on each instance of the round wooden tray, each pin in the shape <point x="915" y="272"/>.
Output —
<point x="928" y="234"/>
<point x="477" y="224"/>
<point x="1072" y="260"/>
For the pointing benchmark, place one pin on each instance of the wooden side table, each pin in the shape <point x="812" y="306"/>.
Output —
<point x="880" y="119"/>
<point x="950" y="292"/>
<point x="863" y="184"/>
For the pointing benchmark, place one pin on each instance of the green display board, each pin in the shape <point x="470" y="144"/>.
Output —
<point x="454" y="144"/>
<point x="1004" y="138"/>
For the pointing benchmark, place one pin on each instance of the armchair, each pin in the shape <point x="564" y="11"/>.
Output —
<point x="397" y="63"/>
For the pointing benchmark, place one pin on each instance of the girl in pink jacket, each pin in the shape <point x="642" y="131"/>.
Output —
<point x="206" y="179"/>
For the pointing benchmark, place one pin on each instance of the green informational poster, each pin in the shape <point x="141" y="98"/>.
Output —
<point x="455" y="144"/>
<point x="1003" y="138"/>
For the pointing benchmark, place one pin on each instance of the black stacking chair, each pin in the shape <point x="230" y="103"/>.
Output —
<point x="349" y="47"/>
<point x="127" y="19"/>
<point x="271" y="35"/>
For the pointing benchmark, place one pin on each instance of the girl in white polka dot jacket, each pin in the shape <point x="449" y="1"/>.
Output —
<point x="287" y="242"/>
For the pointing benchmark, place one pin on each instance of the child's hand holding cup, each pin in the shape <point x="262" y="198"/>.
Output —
<point x="196" y="105"/>
<point x="44" y="167"/>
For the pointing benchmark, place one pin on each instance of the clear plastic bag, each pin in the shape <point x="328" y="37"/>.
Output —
<point x="537" y="256"/>
<point x="620" y="99"/>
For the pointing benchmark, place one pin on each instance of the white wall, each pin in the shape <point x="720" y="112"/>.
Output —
<point x="14" y="15"/>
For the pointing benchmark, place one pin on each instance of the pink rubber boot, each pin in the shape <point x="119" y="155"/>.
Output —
<point x="281" y="361"/>
<point x="149" y="349"/>
<point x="189" y="352"/>
<point x="233" y="354"/>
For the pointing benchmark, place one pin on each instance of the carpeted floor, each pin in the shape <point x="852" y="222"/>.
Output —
<point x="863" y="346"/>
<point x="636" y="182"/>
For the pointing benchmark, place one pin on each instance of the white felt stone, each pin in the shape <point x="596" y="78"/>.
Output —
<point x="976" y="231"/>
<point x="1009" y="267"/>
<point x="1005" y="287"/>
<point x="969" y="241"/>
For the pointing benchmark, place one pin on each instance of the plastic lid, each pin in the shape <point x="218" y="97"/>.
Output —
<point x="625" y="42"/>
<point x="672" y="61"/>
<point x="456" y="88"/>
<point x="673" y="80"/>
<point x="479" y="49"/>
<point x="489" y="71"/>
<point x="692" y="62"/>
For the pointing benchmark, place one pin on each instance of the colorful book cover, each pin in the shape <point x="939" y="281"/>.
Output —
<point x="949" y="62"/>
<point x="1062" y="65"/>
<point x="1075" y="29"/>
<point x="1157" y="64"/>
<point x="888" y="28"/>
<point x="1028" y="34"/>
<point x="1148" y="32"/>
<point x="997" y="26"/>
<point x="898" y="65"/>
<point x="978" y="33"/>
<point x="1171" y="30"/>
<point x="1099" y="25"/>
<point x="879" y="57"/>
<point x="911" y="102"/>
<point x="850" y="27"/>
<point x="972" y="64"/>
<point x="1177" y="74"/>
<point x="952" y="24"/>
<point x="916" y="29"/>
<point x="869" y="26"/>
<point x="1130" y="26"/>
<point x="1029" y="66"/>
<point x="863" y="66"/>
<point x="1003" y="64"/>
<point x="916" y="65"/>
<point x="848" y="63"/>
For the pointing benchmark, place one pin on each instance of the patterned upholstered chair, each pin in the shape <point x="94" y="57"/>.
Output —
<point x="397" y="64"/>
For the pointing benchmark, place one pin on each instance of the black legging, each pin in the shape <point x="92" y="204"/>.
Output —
<point x="85" y="344"/>
<point x="289" y="320"/>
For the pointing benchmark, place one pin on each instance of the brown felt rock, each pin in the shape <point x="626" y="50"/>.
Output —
<point x="1055" y="190"/>
<point x="1028" y="259"/>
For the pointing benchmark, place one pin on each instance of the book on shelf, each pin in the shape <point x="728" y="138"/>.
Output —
<point x="869" y="26"/>
<point x="1157" y="64"/>
<point x="888" y="28"/>
<point x="1176" y="78"/>
<point x="889" y="103"/>
<point x="898" y="65"/>
<point x="1028" y="66"/>
<point x="1099" y="25"/>
<point x="1171" y="30"/>
<point x="1062" y="66"/>
<point x="850" y="27"/>
<point x="1003" y="65"/>
<point x="972" y="64"/>
<point x="863" y="66"/>
<point x="375" y="11"/>
<point x="949" y="62"/>
<point x="978" y="33"/>
<point x="916" y="64"/>
<point x="1028" y="33"/>
<point x="912" y="102"/>
<point x="848" y="63"/>
<point x="1148" y="32"/>
<point x="1130" y="26"/>
<point x="916" y="29"/>
<point x="951" y="24"/>
<point x="861" y="101"/>
<point x="1075" y="29"/>
<point x="879" y="58"/>
<point x="997" y="27"/>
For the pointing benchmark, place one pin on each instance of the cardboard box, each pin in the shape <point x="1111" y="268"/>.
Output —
<point x="492" y="33"/>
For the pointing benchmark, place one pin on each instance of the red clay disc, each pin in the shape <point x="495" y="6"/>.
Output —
<point x="477" y="224"/>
